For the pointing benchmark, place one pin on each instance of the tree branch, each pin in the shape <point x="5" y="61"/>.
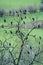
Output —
<point x="12" y="57"/>
<point x="20" y="52"/>
<point x="35" y="57"/>
<point x="26" y="37"/>
<point x="38" y="62"/>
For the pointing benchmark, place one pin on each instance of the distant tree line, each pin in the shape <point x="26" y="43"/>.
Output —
<point x="30" y="9"/>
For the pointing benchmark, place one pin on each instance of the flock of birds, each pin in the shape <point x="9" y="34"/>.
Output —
<point x="19" y="13"/>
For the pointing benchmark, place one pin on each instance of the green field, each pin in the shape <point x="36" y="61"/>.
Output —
<point x="8" y="4"/>
<point x="13" y="38"/>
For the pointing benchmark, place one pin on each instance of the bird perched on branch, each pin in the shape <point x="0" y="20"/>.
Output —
<point x="19" y="33"/>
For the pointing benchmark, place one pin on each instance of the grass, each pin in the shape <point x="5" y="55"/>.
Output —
<point x="12" y="4"/>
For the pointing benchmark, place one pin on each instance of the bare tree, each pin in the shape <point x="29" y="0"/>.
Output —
<point x="29" y="52"/>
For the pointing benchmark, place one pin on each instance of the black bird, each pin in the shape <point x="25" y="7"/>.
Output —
<point x="24" y="11"/>
<point x="4" y="20"/>
<point x="33" y="19"/>
<point x="5" y="31"/>
<point x="23" y="22"/>
<point x="40" y="37"/>
<point x="21" y="18"/>
<point x="25" y="17"/>
<point x="39" y="26"/>
<point x="28" y="52"/>
<point x="9" y="44"/>
<point x="11" y="32"/>
<point x="2" y="26"/>
<point x="11" y="22"/>
<point x="39" y="42"/>
<point x="30" y="47"/>
<point x="20" y="11"/>
<point x="17" y="12"/>
<point x="18" y="15"/>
